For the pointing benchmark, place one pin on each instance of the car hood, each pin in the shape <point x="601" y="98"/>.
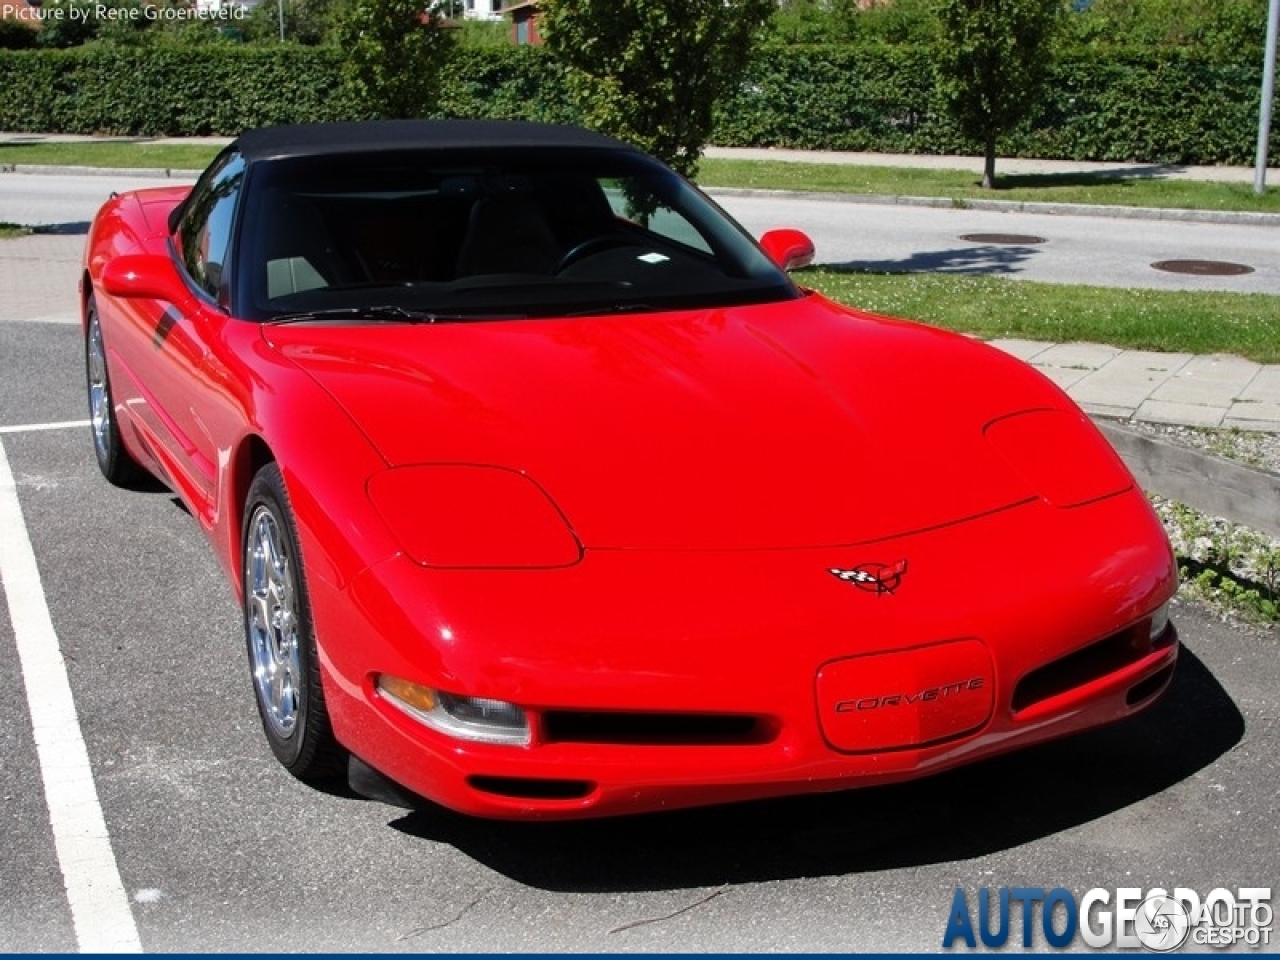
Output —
<point x="796" y="424"/>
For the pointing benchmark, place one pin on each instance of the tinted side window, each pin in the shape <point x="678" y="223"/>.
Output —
<point x="204" y="233"/>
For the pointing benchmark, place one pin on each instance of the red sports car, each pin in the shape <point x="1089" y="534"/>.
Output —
<point x="547" y="493"/>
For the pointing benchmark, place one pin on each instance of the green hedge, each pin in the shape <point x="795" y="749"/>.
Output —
<point x="506" y="83"/>
<point x="168" y="90"/>
<point x="1170" y="107"/>
<point x="1173" y="107"/>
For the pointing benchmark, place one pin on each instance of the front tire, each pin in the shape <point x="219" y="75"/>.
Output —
<point x="283" y="657"/>
<point x="113" y="459"/>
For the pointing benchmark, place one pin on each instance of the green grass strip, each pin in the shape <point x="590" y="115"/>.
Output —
<point x="1244" y="324"/>
<point x="961" y="185"/>
<point x="114" y="154"/>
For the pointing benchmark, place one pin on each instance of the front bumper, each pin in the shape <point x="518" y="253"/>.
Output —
<point x="1057" y="601"/>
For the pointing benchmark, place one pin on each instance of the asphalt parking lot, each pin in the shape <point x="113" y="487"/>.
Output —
<point x="210" y="846"/>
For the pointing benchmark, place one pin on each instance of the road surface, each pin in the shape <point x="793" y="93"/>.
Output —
<point x="866" y="236"/>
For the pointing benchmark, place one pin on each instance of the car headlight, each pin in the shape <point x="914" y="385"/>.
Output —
<point x="1060" y="454"/>
<point x="466" y="718"/>
<point x="1159" y="622"/>
<point x="462" y="515"/>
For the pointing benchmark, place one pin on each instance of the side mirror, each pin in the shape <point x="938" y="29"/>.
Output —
<point x="144" y="275"/>
<point x="789" y="249"/>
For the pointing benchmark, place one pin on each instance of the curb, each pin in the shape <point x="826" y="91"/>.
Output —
<point x="1239" y="217"/>
<point x="1213" y="485"/>
<point x="50" y="170"/>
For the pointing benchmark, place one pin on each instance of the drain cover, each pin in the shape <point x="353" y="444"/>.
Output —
<point x="1203" y="268"/>
<point x="1018" y="239"/>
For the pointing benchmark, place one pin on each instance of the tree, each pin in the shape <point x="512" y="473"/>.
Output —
<point x="1225" y="30"/>
<point x="68" y="23"/>
<point x="17" y="34"/>
<point x="814" y="21"/>
<point x="308" y="22"/>
<point x="897" y="21"/>
<point x="992" y="60"/>
<point x="650" y="71"/>
<point x="395" y="52"/>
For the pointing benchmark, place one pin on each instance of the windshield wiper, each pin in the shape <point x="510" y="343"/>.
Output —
<point x="601" y="310"/>
<point x="389" y="313"/>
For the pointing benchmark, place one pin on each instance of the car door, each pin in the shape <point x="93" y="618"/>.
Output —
<point x="181" y="382"/>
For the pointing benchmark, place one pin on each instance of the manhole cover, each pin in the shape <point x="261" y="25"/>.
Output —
<point x="1203" y="268"/>
<point x="1018" y="239"/>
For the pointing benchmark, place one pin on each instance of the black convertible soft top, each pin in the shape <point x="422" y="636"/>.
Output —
<point x="318" y="139"/>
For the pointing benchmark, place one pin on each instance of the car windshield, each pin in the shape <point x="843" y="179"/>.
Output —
<point x="499" y="233"/>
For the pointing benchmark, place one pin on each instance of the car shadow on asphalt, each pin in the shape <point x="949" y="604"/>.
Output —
<point x="981" y="809"/>
<point x="148" y="483"/>
<point x="977" y="259"/>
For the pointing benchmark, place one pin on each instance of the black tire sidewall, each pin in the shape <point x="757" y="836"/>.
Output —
<point x="113" y="461"/>
<point x="309" y="750"/>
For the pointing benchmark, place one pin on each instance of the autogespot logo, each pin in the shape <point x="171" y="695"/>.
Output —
<point x="1128" y="918"/>
<point x="1162" y="923"/>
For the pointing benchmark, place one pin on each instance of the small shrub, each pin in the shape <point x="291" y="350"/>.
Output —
<point x="16" y="34"/>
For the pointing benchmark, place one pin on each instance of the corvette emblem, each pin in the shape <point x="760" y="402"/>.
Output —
<point x="877" y="578"/>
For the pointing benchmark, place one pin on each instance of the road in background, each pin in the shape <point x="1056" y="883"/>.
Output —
<point x="39" y="274"/>
<point x="1097" y="251"/>
<point x="865" y="236"/>
<point x="66" y="202"/>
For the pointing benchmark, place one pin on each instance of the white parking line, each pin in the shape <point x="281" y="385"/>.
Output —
<point x="99" y="906"/>
<point x="32" y="427"/>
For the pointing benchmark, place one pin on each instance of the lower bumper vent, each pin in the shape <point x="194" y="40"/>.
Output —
<point x="529" y="788"/>
<point x="657" y="729"/>
<point x="1149" y="687"/>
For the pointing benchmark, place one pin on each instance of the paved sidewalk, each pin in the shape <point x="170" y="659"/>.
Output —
<point x="40" y="277"/>
<point x="1195" y="390"/>
<point x="1158" y="171"/>
<point x="9" y="136"/>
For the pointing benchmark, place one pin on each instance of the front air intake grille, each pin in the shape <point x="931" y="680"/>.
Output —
<point x="1085" y="665"/>
<point x="657" y="729"/>
<point x="529" y="788"/>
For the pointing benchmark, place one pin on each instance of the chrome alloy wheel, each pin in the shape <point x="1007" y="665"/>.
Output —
<point x="99" y="394"/>
<point x="272" y="608"/>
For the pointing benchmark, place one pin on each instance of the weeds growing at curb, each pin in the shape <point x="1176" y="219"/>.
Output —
<point x="1230" y="566"/>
